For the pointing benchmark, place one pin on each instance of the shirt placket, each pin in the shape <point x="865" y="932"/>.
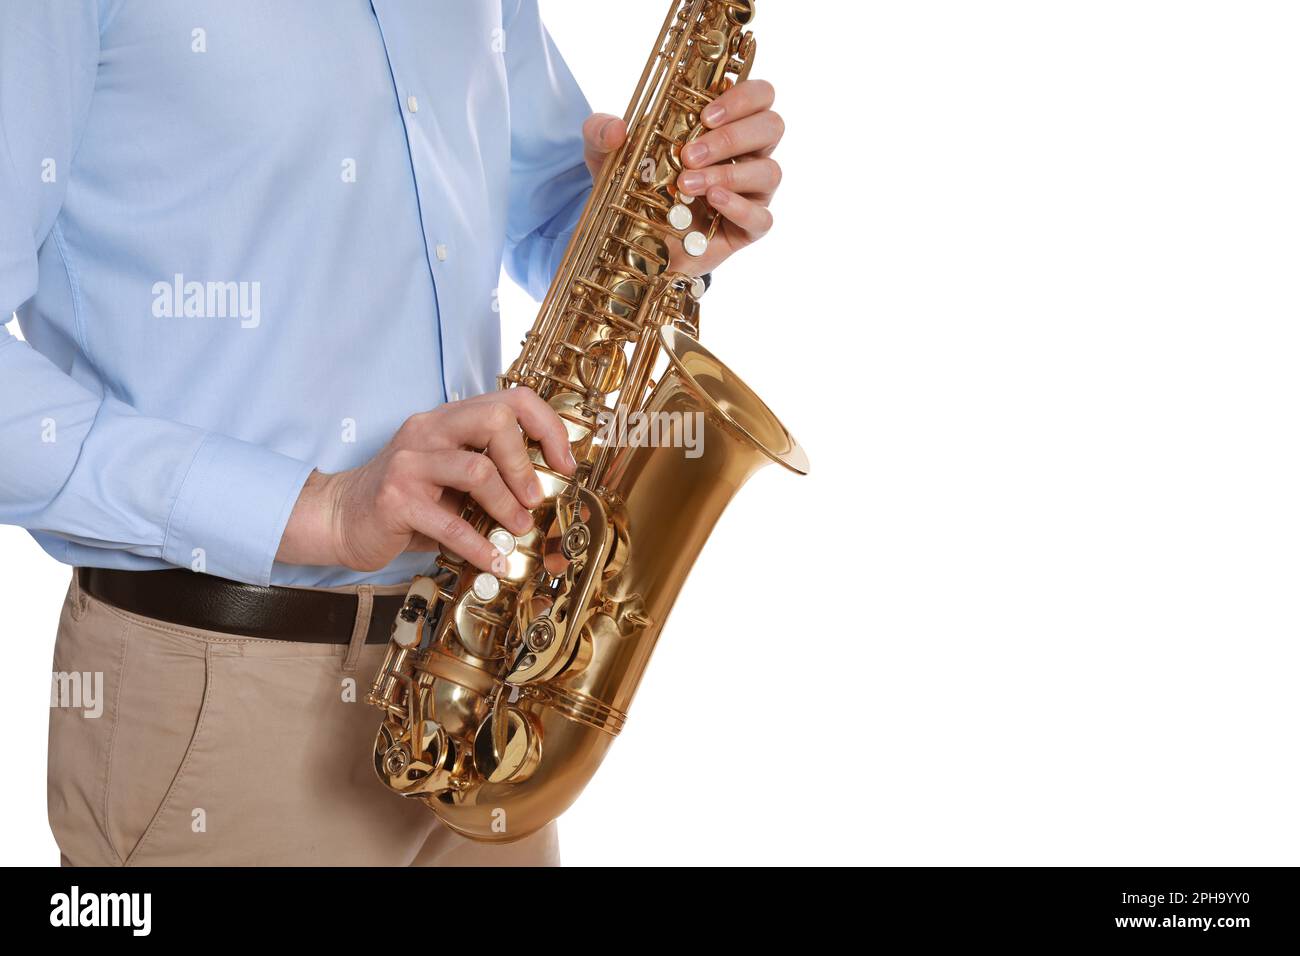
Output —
<point x="411" y="101"/>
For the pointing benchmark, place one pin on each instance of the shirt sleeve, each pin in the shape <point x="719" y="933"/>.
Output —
<point x="549" y="180"/>
<point x="75" y="462"/>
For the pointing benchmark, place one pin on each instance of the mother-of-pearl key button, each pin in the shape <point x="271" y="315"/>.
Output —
<point x="680" y="217"/>
<point x="503" y="541"/>
<point x="486" y="587"/>
<point x="696" y="243"/>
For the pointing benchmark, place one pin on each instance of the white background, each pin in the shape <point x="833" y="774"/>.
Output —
<point x="1031" y="305"/>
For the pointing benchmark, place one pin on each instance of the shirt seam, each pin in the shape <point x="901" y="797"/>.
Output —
<point x="107" y="22"/>
<point x="74" y="287"/>
<point x="509" y="24"/>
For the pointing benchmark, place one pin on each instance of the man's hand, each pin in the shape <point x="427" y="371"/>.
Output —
<point x="742" y="126"/>
<point x="407" y="498"/>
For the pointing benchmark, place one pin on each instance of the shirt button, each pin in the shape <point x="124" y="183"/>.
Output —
<point x="440" y="250"/>
<point x="413" y="104"/>
<point x="455" y="396"/>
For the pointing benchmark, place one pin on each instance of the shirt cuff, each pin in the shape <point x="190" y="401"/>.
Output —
<point x="232" y="510"/>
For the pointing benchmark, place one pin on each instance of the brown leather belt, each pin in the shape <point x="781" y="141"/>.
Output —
<point x="217" y="604"/>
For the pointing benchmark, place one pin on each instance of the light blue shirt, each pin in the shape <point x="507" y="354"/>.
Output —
<point x="246" y="239"/>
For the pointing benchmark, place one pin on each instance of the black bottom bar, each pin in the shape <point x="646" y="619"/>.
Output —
<point x="1228" y="907"/>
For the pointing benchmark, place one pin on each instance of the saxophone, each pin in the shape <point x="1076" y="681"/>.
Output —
<point x="501" y="694"/>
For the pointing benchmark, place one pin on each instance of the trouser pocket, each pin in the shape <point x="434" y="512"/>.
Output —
<point x="125" y="707"/>
<point x="219" y="750"/>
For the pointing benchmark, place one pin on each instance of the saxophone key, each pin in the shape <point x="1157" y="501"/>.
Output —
<point x="680" y="217"/>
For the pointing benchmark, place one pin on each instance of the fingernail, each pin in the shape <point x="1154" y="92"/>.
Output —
<point x="695" y="153"/>
<point x="535" y="493"/>
<point x="524" y="522"/>
<point x="713" y="114"/>
<point x="499" y="565"/>
<point x="603" y="137"/>
<point x="691" y="181"/>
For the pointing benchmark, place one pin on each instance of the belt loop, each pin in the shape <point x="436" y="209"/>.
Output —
<point x="365" y="604"/>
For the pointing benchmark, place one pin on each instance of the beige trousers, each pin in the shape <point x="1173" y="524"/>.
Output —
<point x="193" y="748"/>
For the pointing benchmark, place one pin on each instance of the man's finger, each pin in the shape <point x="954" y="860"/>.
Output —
<point x="540" y="422"/>
<point x="601" y="135"/>
<point x="743" y="99"/>
<point x="752" y="217"/>
<point x="439" y="523"/>
<point x="478" y="477"/>
<point x="493" y="426"/>
<point x="754" y="134"/>
<point x="755" y="178"/>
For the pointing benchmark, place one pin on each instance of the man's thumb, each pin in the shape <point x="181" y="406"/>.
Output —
<point x="601" y="134"/>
